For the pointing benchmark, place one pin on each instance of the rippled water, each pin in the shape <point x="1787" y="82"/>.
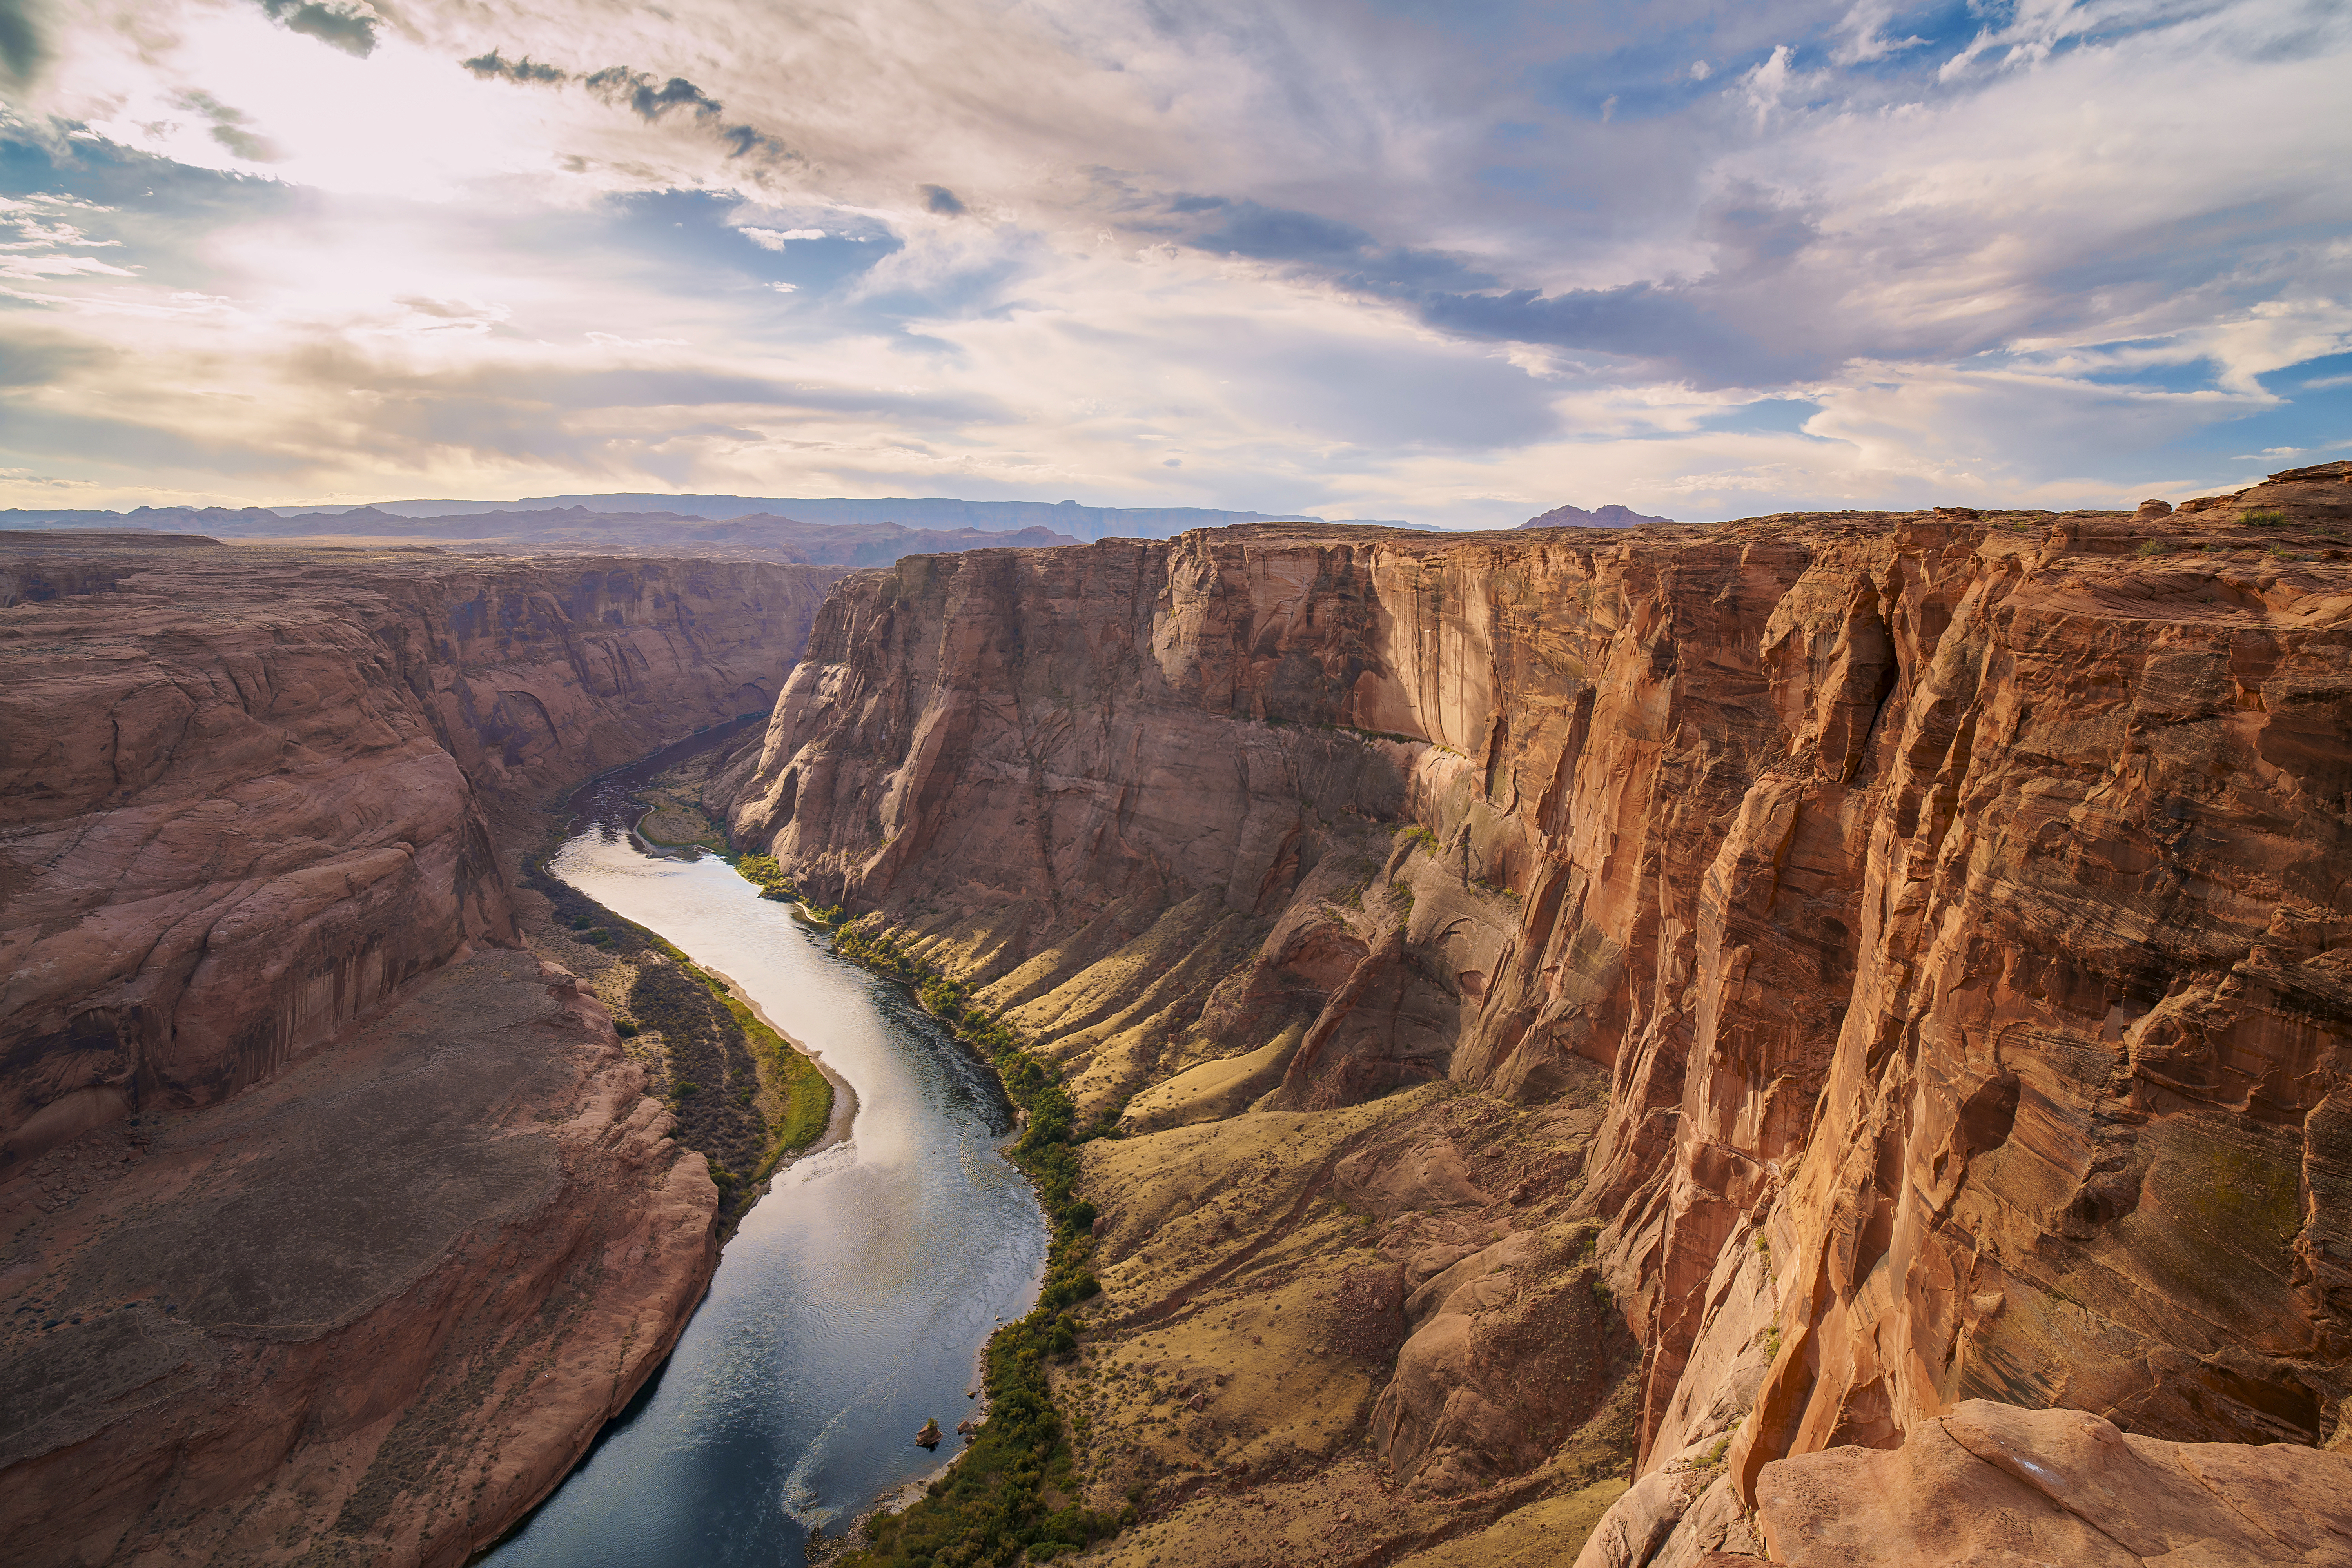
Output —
<point x="851" y="1305"/>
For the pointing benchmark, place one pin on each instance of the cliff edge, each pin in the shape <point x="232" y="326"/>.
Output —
<point x="1887" y="960"/>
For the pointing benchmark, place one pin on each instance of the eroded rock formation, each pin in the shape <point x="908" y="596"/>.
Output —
<point x="334" y="1221"/>
<point x="1943" y="915"/>
<point x="249" y="795"/>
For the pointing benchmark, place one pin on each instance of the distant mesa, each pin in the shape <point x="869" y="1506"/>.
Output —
<point x="1610" y="516"/>
<point x="824" y="532"/>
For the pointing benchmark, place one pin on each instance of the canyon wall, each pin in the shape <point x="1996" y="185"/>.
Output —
<point x="250" y="793"/>
<point x="1944" y="914"/>
<point x="336" y="1224"/>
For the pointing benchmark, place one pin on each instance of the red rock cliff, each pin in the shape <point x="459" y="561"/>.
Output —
<point x="335" y="1225"/>
<point x="249" y="795"/>
<point x="1955" y="904"/>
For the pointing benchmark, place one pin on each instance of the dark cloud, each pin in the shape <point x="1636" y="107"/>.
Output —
<point x="344" y="25"/>
<point x="231" y="128"/>
<point x="943" y="201"/>
<point x="1662" y="325"/>
<point x="1681" y="326"/>
<point x="23" y="50"/>
<point x="743" y="141"/>
<point x="1288" y="236"/>
<point x="648" y="95"/>
<point x="493" y="65"/>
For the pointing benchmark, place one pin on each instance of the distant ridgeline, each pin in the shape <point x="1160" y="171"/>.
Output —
<point x="829" y="533"/>
<point x="1610" y="516"/>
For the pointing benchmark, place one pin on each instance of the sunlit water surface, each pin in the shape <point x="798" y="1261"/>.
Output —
<point x="851" y="1305"/>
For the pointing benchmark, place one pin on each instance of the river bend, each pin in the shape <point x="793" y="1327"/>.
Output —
<point x="852" y="1303"/>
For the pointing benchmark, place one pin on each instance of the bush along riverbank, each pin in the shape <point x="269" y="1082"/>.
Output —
<point x="746" y="1099"/>
<point x="990" y="1509"/>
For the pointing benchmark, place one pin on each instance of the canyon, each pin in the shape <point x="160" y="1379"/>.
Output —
<point x="1602" y="1028"/>
<point x="338" y="1220"/>
<point x="1818" y="1039"/>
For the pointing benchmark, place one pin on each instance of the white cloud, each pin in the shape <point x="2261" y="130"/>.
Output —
<point x="1956" y="274"/>
<point x="775" y="239"/>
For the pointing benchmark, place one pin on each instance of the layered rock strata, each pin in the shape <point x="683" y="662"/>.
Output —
<point x="1944" y="914"/>
<point x="250" y="793"/>
<point x="334" y="1223"/>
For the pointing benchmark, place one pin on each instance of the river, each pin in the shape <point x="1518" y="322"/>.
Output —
<point x="852" y="1303"/>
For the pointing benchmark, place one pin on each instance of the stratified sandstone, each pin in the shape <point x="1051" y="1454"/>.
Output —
<point x="333" y="1223"/>
<point x="250" y="793"/>
<point x="1991" y="1483"/>
<point x="1947" y="914"/>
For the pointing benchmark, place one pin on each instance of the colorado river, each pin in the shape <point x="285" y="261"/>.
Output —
<point x="851" y="1305"/>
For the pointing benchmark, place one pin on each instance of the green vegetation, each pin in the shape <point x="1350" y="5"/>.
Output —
<point x="989" y="1510"/>
<point x="2152" y="547"/>
<point x="774" y="1104"/>
<point x="806" y="1092"/>
<point x="762" y="870"/>
<point x="2263" y="518"/>
<point x="1421" y="836"/>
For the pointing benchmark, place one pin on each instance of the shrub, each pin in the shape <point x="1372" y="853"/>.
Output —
<point x="2263" y="518"/>
<point x="989" y="1508"/>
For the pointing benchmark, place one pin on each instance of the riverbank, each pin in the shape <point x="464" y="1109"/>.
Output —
<point x="842" y="1122"/>
<point x="1011" y="1484"/>
<point x="864" y="1278"/>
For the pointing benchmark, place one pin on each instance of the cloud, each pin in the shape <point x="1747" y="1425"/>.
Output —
<point x="742" y="140"/>
<point x="230" y="128"/>
<point x="33" y="266"/>
<point x="649" y="95"/>
<point x="2071" y="266"/>
<point x="776" y="240"/>
<point x="24" y="47"/>
<point x="346" y="24"/>
<point x="493" y="65"/>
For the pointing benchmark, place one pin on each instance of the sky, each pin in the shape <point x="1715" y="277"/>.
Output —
<point x="1456" y="264"/>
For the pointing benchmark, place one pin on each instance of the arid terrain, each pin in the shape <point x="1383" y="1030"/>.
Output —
<point x="1624" y="1041"/>
<point x="334" y="1219"/>
<point x="1817" y="1038"/>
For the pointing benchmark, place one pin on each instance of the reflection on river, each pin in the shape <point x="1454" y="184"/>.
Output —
<point x="851" y="1305"/>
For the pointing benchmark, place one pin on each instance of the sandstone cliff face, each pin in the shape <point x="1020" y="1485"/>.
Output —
<point x="1949" y="913"/>
<point x="251" y="794"/>
<point x="369" y="1312"/>
<point x="331" y="1224"/>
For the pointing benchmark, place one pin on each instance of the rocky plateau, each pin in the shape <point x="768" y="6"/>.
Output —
<point x="1819" y="1039"/>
